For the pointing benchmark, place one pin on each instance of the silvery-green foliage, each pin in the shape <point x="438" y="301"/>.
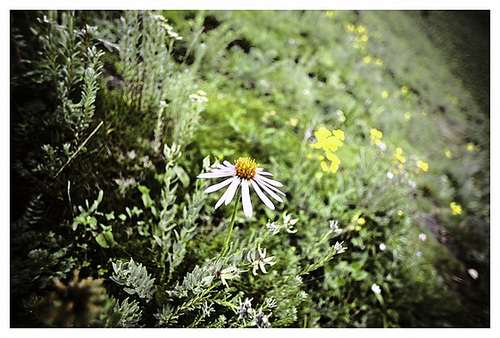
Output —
<point x="166" y="316"/>
<point x="145" y="58"/>
<point x="124" y="314"/>
<point x="154" y="82"/>
<point x="70" y="63"/>
<point x="195" y="281"/>
<point x="135" y="279"/>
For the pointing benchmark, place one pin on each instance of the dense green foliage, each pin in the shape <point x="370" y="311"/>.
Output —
<point x="115" y="113"/>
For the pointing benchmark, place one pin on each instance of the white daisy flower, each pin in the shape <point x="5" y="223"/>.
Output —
<point x="244" y="172"/>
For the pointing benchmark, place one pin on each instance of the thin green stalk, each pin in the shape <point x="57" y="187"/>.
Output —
<point x="225" y="248"/>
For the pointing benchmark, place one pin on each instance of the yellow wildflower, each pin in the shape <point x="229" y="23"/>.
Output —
<point x="330" y="13"/>
<point x="398" y="156"/>
<point x="404" y="90"/>
<point x="470" y="146"/>
<point x="456" y="209"/>
<point x="422" y="165"/>
<point x="385" y="94"/>
<point x="293" y="122"/>
<point x="361" y="29"/>
<point x="324" y="166"/>
<point x="378" y="62"/>
<point x="375" y="136"/>
<point x="367" y="59"/>
<point x="334" y="165"/>
<point x="407" y="116"/>
<point x="447" y="152"/>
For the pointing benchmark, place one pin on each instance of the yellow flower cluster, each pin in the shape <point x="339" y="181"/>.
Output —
<point x="422" y="165"/>
<point x="293" y="122"/>
<point x="456" y="209"/>
<point x="356" y="223"/>
<point x="472" y="147"/>
<point x="329" y="141"/>
<point x="398" y="156"/>
<point x="375" y="136"/>
<point x="360" y="40"/>
<point x="331" y="14"/>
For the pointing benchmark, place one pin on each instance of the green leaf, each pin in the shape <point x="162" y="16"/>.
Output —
<point x="101" y="240"/>
<point x="105" y="239"/>
<point x="183" y="176"/>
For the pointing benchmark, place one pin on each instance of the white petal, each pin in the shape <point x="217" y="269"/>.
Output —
<point x="228" y="164"/>
<point x="218" y="186"/>
<point x="269" y="191"/>
<point x="262" y="196"/>
<point x="232" y="190"/>
<point x="245" y="198"/>
<point x="219" y="202"/>
<point x="262" y="267"/>
<point x="265" y="173"/>
<point x="216" y="174"/>
<point x="262" y="183"/>
<point x="223" y="197"/>
<point x="271" y="182"/>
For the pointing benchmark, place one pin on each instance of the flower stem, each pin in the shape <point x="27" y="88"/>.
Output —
<point x="225" y="248"/>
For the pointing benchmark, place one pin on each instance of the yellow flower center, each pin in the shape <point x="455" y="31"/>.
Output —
<point x="246" y="168"/>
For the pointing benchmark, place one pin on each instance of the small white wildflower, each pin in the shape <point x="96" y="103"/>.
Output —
<point x="412" y="183"/>
<point x="382" y="146"/>
<point x="228" y="273"/>
<point x="418" y="253"/>
<point x="261" y="320"/>
<point x="334" y="225"/>
<point x="261" y="261"/>
<point x="339" y="248"/>
<point x="273" y="227"/>
<point x="382" y="246"/>
<point x="207" y="309"/>
<point x="390" y="175"/>
<point x="245" y="310"/>
<point x="271" y="302"/>
<point x="288" y="223"/>
<point x="376" y="288"/>
<point x="422" y="237"/>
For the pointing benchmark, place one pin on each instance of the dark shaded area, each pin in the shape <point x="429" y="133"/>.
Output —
<point x="464" y="38"/>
